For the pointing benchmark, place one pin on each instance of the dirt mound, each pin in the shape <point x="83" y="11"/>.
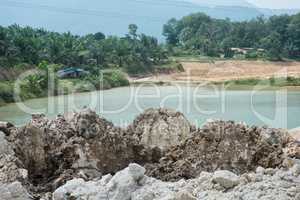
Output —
<point x="222" y="145"/>
<point x="161" y="128"/>
<point x="85" y="145"/>
<point x="45" y="154"/>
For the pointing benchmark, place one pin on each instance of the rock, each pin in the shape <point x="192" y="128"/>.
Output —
<point x="125" y="182"/>
<point x="295" y="134"/>
<point x="10" y="170"/>
<point x="5" y="127"/>
<point x="123" y="187"/>
<point x="5" y="147"/>
<point x="70" y="155"/>
<point x="270" y="171"/>
<point x="160" y="128"/>
<point x="293" y="150"/>
<point x="82" y="146"/>
<point x="78" y="188"/>
<point x="295" y="170"/>
<point x="14" y="191"/>
<point x="137" y="172"/>
<point x="119" y="187"/>
<point x="226" y="179"/>
<point x="222" y="145"/>
<point x="184" y="196"/>
<point x="260" y="170"/>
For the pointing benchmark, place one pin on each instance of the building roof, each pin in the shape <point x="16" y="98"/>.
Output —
<point x="71" y="70"/>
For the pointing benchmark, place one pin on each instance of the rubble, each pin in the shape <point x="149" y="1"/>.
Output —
<point x="221" y="145"/>
<point x="85" y="156"/>
<point x="83" y="146"/>
<point x="123" y="186"/>
<point x="5" y="127"/>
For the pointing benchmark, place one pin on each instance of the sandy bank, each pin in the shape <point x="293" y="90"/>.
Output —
<point x="220" y="71"/>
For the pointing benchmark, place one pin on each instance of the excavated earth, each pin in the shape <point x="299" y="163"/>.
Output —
<point x="83" y="156"/>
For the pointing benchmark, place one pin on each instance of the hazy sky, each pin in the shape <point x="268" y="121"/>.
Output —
<point x="276" y="3"/>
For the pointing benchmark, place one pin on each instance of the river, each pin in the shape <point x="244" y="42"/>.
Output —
<point x="274" y="108"/>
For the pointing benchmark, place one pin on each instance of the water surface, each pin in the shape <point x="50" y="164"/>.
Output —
<point x="280" y="109"/>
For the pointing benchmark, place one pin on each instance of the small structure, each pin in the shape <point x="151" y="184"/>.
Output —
<point x="72" y="72"/>
<point x="244" y="51"/>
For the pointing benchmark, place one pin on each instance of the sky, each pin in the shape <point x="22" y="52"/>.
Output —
<point x="277" y="4"/>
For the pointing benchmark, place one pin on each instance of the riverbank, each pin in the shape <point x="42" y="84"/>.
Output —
<point x="32" y="88"/>
<point x="228" y="70"/>
<point x="234" y="74"/>
<point x="76" y="155"/>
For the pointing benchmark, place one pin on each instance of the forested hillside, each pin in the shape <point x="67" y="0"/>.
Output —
<point x="200" y="34"/>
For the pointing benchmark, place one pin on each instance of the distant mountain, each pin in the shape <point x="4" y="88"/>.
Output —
<point x="239" y="3"/>
<point x="113" y="16"/>
<point x="270" y="12"/>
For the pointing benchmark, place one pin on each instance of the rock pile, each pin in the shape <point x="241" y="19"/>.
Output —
<point x="83" y="145"/>
<point x="11" y="173"/>
<point x="132" y="184"/>
<point x="222" y="145"/>
<point x="71" y="154"/>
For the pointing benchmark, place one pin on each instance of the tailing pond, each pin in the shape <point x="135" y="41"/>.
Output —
<point x="278" y="108"/>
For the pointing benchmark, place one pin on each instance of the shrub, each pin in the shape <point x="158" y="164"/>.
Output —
<point x="251" y="55"/>
<point x="108" y="79"/>
<point x="115" y="78"/>
<point x="6" y="92"/>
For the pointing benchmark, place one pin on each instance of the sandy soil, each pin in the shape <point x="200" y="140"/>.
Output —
<point x="227" y="70"/>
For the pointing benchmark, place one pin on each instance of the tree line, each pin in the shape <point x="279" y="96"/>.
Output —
<point x="134" y="52"/>
<point x="200" y="34"/>
<point x="196" y="34"/>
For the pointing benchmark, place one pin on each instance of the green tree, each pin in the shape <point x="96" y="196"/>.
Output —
<point x="273" y="46"/>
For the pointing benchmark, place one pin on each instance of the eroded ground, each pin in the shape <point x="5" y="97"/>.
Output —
<point x="219" y="71"/>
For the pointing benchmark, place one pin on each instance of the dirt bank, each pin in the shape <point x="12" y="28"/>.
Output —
<point x="219" y="71"/>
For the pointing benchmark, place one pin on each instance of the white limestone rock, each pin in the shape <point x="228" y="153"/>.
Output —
<point x="226" y="179"/>
<point x="13" y="191"/>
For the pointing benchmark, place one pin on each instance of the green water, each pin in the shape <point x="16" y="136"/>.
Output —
<point x="278" y="109"/>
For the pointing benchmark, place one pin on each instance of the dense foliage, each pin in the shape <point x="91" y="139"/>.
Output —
<point x="134" y="53"/>
<point x="198" y="33"/>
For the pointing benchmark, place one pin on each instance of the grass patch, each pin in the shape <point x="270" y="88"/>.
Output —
<point x="273" y="81"/>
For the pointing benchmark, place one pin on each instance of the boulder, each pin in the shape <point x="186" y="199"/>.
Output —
<point x="226" y="179"/>
<point x="14" y="191"/>
<point x="161" y="128"/>
<point x="119" y="187"/>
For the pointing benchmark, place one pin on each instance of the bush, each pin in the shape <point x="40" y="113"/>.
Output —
<point x="250" y="81"/>
<point x="115" y="78"/>
<point x="108" y="79"/>
<point x="6" y="93"/>
<point x="251" y="55"/>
